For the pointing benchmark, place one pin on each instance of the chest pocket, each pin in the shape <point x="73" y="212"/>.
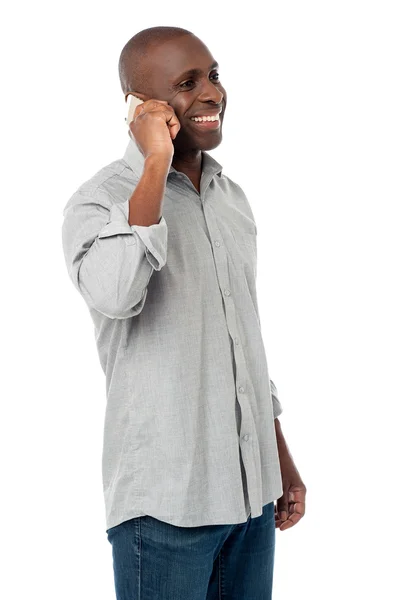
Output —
<point x="245" y="242"/>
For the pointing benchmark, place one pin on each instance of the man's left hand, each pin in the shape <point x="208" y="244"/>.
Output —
<point x="290" y="507"/>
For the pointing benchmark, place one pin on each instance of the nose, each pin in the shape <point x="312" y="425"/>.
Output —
<point x="211" y="92"/>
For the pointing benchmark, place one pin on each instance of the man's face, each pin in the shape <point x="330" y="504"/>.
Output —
<point x="189" y="94"/>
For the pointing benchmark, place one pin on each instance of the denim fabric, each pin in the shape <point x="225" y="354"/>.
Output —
<point x="154" y="560"/>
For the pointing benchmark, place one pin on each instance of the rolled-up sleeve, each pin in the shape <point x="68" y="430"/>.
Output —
<point x="277" y="408"/>
<point x="109" y="261"/>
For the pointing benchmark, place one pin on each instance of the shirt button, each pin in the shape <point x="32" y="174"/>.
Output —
<point x="237" y="341"/>
<point x="217" y="243"/>
<point x="240" y="389"/>
<point x="227" y="292"/>
<point x="246" y="437"/>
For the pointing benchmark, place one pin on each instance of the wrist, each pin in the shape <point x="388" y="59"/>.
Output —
<point x="158" y="161"/>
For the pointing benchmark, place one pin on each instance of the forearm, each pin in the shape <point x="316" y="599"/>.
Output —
<point x="281" y="443"/>
<point x="145" y="204"/>
<point x="277" y="426"/>
<point x="284" y="453"/>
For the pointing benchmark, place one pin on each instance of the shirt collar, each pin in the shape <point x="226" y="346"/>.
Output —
<point x="134" y="158"/>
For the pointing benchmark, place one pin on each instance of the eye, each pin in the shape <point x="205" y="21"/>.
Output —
<point x="192" y="81"/>
<point x="183" y="84"/>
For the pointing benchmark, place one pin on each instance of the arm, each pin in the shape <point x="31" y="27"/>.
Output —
<point x="111" y="249"/>
<point x="145" y="204"/>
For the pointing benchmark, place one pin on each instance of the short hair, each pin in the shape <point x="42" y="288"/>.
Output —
<point x="132" y="72"/>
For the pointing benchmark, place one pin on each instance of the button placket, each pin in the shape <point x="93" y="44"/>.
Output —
<point x="250" y="452"/>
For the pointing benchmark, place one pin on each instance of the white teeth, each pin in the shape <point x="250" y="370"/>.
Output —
<point x="206" y="118"/>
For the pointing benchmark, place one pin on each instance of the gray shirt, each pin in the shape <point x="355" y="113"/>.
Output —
<point x="189" y="435"/>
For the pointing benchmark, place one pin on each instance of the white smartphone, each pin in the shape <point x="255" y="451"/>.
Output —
<point x="132" y="102"/>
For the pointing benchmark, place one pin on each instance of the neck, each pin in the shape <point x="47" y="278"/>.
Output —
<point x="189" y="163"/>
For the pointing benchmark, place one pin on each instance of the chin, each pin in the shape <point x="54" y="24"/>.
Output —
<point x="185" y="141"/>
<point x="212" y="143"/>
<point x="206" y="142"/>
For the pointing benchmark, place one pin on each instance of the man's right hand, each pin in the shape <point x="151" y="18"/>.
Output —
<point x="154" y="125"/>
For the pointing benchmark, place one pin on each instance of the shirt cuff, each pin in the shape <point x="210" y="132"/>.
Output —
<point x="117" y="220"/>
<point x="277" y="408"/>
<point x="153" y="237"/>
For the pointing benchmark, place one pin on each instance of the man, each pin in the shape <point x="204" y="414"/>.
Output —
<point x="162" y="246"/>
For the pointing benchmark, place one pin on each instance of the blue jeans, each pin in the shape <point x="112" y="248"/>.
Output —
<point x="153" y="560"/>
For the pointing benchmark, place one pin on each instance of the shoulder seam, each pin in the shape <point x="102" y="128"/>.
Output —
<point x="92" y="191"/>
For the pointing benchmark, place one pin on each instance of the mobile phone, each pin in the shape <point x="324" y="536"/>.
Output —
<point x="132" y="102"/>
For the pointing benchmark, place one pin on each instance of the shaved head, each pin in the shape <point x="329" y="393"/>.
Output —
<point x="134" y="72"/>
<point x="173" y="65"/>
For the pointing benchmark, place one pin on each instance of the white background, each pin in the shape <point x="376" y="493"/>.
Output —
<point x="311" y="134"/>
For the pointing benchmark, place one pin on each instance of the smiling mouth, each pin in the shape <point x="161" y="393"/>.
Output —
<point x="206" y="124"/>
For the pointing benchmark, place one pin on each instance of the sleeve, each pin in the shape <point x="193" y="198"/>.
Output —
<point x="109" y="261"/>
<point x="277" y="408"/>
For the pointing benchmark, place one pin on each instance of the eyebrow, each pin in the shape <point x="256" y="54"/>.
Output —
<point x="193" y="72"/>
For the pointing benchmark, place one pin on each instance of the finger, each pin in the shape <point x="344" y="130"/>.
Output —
<point x="154" y="100"/>
<point x="281" y="516"/>
<point x="277" y="518"/>
<point x="174" y="125"/>
<point x="282" y="506"/>
<point x="279" y="523"/>
<point x="293" y="520"/>
<point x="147" y="105"/>
<point x="286" y="525"/>
<point x="172" y="121"/>
<point x="153" y="104"/>
<point x="137" y="111"/>
<point x="298" y="508"/>
<point x="169" y="114"/>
